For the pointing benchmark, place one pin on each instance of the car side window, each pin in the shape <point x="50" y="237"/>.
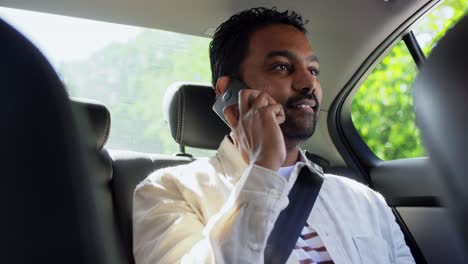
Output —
<point x="433" y="27"/>
<point x="125" y="67"/>
<point x="382" y="109"/>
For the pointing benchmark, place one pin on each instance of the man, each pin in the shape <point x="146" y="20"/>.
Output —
<point x="224" y="209"/>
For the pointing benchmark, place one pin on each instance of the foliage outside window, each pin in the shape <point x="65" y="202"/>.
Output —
<point x="382" y="110"/>
<point x="129" y="75"/>
<point x="432" y="27"/>
<point x="131" y="79"/>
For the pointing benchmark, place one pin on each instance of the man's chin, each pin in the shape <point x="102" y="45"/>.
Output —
<point x="298" y="131"/>
<point x="298" y="136"/>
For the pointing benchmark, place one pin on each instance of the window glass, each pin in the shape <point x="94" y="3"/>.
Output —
<point x="433" y="26"/>
<point x="126" y="68"/>
<point x="382" y="109"/>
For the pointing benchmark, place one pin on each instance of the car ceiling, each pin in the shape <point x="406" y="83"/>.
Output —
<point x="343" y="33"/>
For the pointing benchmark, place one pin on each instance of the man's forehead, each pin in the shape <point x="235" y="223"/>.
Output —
<point x="281" y="40"/>
<point x="291" y="55"/>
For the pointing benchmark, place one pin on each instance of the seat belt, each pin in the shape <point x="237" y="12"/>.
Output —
<point x="293" y="218"/>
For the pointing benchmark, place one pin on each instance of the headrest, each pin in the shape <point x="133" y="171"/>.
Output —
<point x="98" y="117"/>
<point x="441" y="103"/>
<point x="187" y="109"/>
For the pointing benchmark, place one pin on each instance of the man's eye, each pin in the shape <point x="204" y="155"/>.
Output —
<point x="314" y="71"/>
<point x="281" y="67"/>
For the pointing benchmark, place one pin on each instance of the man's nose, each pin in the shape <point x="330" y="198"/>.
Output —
<point x="304" y="81"/>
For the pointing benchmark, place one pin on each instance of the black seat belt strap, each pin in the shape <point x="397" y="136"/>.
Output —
<point x="293" y="218"/>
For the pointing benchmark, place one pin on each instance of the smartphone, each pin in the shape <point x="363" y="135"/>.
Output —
<point x="229" y="97"/>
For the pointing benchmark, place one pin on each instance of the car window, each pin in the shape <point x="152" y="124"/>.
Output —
<point x="126" y="68"/>
<point x="382" y="109"/>
<point x="433" y="26"/>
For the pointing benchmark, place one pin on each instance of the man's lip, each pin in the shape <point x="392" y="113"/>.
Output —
<point x="312" y="103"/>
<point x="307" y="109"/>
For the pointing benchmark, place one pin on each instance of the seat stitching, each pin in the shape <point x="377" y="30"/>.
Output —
<point x="178" y="113"/>
<point x="106" y="132"/>
<point x="183" y="116"/>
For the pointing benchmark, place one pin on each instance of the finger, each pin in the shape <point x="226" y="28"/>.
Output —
<point x="267" y="87"/>
<point x="260" y="101"/>
<point x="232" y="115"/>
<point x="274" y="111"/>
<point x="280" y="116"/>
<point x="270" y="99"/>
<point x="246" y="97"/>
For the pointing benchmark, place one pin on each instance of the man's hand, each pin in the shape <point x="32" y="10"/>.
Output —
<point x="255" y="125"/>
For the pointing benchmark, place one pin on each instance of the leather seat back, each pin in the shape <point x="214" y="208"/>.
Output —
<point x="188" y="110"/>
<point x="121" y="172"/>
<point x="53" y="212"/>
<point x="100" y="122"/>
<point x="441" y="103"/>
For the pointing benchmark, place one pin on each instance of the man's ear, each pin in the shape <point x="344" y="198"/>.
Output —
<point x="222" y="84"/>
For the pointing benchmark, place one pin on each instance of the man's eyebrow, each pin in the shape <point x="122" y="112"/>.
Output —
<point x="313" y="58"/>
<point x="289" y="55"/>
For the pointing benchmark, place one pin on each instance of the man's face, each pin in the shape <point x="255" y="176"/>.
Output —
<point x="281" y="62"/>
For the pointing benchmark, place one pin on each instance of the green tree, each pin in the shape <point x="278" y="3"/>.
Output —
<point x="131" y="79"/>
<point x="382" y="109"/>
<point x="190" y="64"/>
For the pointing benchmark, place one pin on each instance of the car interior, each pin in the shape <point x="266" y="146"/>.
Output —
<point x="68" y="196"/>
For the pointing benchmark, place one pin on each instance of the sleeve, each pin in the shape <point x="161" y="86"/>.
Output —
<point x="168" y="230"/>
<point x="401" y="252"/>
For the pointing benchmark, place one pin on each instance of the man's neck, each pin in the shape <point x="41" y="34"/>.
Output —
<point x="292" y="156"/>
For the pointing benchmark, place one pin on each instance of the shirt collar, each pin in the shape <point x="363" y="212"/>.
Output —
<point x="234" y="165"/>
<point x="314" y="167"/>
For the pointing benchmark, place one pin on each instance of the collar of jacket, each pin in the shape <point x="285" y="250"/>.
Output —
<point x="235" y="166"/>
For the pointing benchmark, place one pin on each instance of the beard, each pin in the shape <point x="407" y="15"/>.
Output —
<point x="299" y="125"/>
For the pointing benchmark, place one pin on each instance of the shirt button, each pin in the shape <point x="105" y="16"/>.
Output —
<point x="255" y="246"/>
<point x="274" y="193"/>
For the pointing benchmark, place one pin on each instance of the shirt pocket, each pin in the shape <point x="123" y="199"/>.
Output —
<point x="372" y="249"/>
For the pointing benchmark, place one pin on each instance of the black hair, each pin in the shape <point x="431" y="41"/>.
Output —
<point x="231" y="39"/>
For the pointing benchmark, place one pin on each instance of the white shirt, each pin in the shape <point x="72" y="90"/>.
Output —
<point x="220" y="210"/>
<point x="286" y="171"/>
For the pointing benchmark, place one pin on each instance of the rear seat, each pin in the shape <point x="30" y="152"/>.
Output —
<point x="187" y="109"/>
<point x="121" y="172"/>
<point x="99" y="118"/>
<point x="183" y="111"/>
<point x="128" y="169"/>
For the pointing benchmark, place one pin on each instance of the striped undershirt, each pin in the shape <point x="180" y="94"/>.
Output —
<point x="310" y="248"/>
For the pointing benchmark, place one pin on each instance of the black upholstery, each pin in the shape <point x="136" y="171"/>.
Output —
<point x="441" y="101"/>
<point x="187" y="109"/>
<point x="99" y="120"/>
<point x="52" y="210"/>
<point x="98" y="117"/>
<point x="129" y="169"/>
<point x="122" y="171"/>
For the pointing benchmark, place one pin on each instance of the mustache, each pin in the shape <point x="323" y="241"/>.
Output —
<point x="302" y="96"/>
